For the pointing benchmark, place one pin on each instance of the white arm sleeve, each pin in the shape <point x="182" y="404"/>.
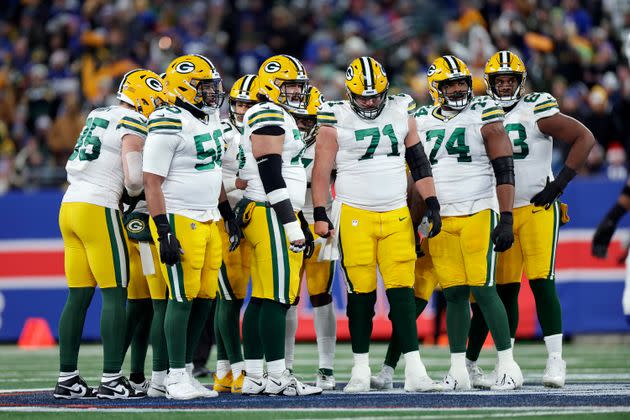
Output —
<point x="158" y="153"/>
<point x="133" y="180"/>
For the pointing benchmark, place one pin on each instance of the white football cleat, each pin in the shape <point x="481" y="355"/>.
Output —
<point x="359" y="380"/>
<point x="253" y="386"/>
<point x="384" y="380"/>
<point x="203" y="391"/>
<point x="555" y="372"/>
<point x="277" y="386"/>
<point x="421" y="383"/>
<point x="325" y="382"/>
<point x="456" y="380"/>
<point x="156" y="390"/>
<point x="509" y="376"/>
<point x="478" y="379"/>
<point x="297" y="388"/>
<point x="178" y="386"/>
<point x="143" y="386"/>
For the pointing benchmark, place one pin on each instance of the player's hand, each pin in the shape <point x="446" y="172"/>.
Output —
<point x="234" y="233"/>
<point x="309" y="239"/>
<point x="240" y="184"/>
<point x="602" y="237"/>
<point x="323" y="225"/>
<point x="170" y="249"/>
<point x="433" y="215"/>
<point x="130" y="201"/>
<point x="295" y="236"/>
<point x="503" y="235"/>
<point x="546" y="197"/>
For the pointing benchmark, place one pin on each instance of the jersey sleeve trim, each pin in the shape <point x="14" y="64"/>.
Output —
<point x="494" y="113"/>
<point x="327" y="118"/>
<point x="165" y="125"/>
<point x="133" y="125"/>
<point x="546" y="105"/>
<point x="266" y="115"/>
<point x="411" y="108"/>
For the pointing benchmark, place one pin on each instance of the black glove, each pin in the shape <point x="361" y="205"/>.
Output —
<point x="319" y="215"/>
<point x="553" y="189"/>
<point x="433" y="215"/>
<point x="309" y="239"/>
<point x="605" y="231"/>
<point x="170" y="249"/>
<point x="132" y="202"/>
<point x="231" y="224"/>
<point x="503" y="235"/>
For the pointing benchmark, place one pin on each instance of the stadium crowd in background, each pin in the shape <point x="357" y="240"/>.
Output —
<point x="61" y="58"/>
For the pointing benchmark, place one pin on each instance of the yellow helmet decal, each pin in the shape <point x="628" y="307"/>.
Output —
<point x="508" y="64"/>
<point x="142" y="89"/>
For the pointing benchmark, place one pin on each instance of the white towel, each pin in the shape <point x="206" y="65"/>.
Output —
<point x="146" y="258"/>
<point x="330" y="249"/>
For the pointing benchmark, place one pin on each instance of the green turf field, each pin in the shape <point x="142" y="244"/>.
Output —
<point x="596" y="367"/>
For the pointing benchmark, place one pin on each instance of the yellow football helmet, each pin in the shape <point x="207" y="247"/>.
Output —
<point x="276" y="73"/>
<point x="244" y="90"/>
<point x="142" y="89"/>
<point x="366" y="79"/>
<point x="505" y="63"/>
<point x="196" y="81"/>
<point x="448" y="68"/>
<point x="306" y="119"/>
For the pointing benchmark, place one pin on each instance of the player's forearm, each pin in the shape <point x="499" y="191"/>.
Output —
<point x="580" y="150"/>
<point x="426" y="187"/>
<point x="153" y="194"/>
<point x="320" y="185"/>
<point x="505" y="195"/>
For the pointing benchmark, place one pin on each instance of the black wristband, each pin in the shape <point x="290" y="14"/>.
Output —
<point x="565" y="176"/>
<point x="162" y="225"/>
<point x="432" y="203"/>
<point x="616" y="213"/>
<point x="506" y="218"/>
<point x="226" y="210"/>
<point x="319" y="214"/>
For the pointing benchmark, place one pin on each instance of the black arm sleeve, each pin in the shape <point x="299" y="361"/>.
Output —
<point x="270" y="130"/>
<point x="503" y="169"/>
<point x="418" y="163"/>
<point x="270" y="169"/>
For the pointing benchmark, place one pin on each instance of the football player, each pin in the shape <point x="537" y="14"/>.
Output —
<point x="369" y="137"/>
<point x="466" y="142"/>
<point x="276" y="187"/>
<point x="532" y="121"/>
<point x="319" y="274"/>
<point x="184" y="192"/>
<point x="234" y="273"/>
<point x="146" y="292"/>
<point x="106" y="160"/>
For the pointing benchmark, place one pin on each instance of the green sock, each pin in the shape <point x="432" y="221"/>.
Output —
<point x="360" y="311"/>
<point x="457" y="317"/>
<point x="158" y="339"/>
<point x="547" y="306"/>
<point x="229" y="326"/>
<point x="494" y="314"/>
<point x="252" y="345"/>
<point x="71" y="326"/>
<point x="140" y="313"/>
<point x="509" y="296"/>
<point x="393" y="349"/>
<point x="402" y="313"/>
<point x="272" y="327"/>
<point x="198" y="317"/>
<point x="176" y="331"/>
<point x="221" y="352"/>
<point x="113" y="319"/>
<point x="477" y="333"/>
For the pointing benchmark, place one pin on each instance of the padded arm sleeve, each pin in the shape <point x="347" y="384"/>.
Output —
<point x="418" y="163"/>
<point x="270" y="169"/>
<point x="503" y="169"/>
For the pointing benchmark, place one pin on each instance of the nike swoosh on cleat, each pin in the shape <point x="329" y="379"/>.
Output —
<point x="119" y="390"/>
<point x="259" y="383"/>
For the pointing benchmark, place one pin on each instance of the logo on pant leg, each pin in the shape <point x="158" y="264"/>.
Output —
<point x="355" y="223"/>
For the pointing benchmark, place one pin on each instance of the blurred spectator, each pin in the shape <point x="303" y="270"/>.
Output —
<point x="66" y="128"/>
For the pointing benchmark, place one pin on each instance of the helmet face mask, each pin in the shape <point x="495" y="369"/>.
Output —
<point x="210" y="93"/>
<point x="293" y="93"/>
<point x="283" y="80"/>
<point x="306" y="118"/>
<point x="366" y="86"/>
<point x="456" y="94"/>
<point x="505" y="63"/>
<point x="444" y="72"/>
<point x="238" y="108"/>
<point x="195" y="81"/>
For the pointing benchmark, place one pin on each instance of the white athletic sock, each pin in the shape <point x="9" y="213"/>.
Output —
<point x="387" y="370"/>
<point x="223" y="368"/>
<point x="158" y="378"/>
<point x="237" y="369"/>
<point x="276" y="368"/>
<point x="289" y="336"/>
<point x="326" y="331"/>
<point x="470" y="363"/>
<point x="177" y="371"/>
<point x="458" y="361"/>
<point x="413" y="364"/>
<point x="67" y="375"/>
<point x="110" y="376"/>
<point x="361" y="359"/>
<point x="189" y="369"/>
<point x="554" y="344"/>
<point x="513" y="341"/>
<point x="254" y="368"/>
<point x="505" y="356"/>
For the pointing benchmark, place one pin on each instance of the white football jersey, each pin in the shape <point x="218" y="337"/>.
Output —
<point x="95" y="171"/>
<point x="462" y="172"/>
<point x="371" y="171"/>
<point x="265" y="114"/>
<point x="233" y="160"/>
<point x="532" y="149"/>
<point x="187" y="152"/>
<point x="308" y="159"/>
